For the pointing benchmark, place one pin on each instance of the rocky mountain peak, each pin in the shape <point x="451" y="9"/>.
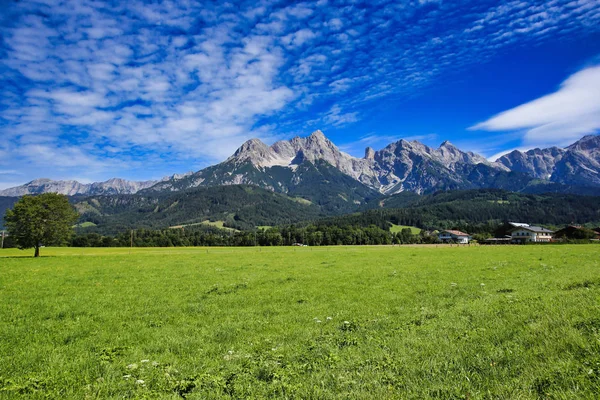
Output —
<point x="405" y="145"/>
<point x="255" y="152"/>
<point x="250" y="146"/>
<point x="369" y="153"/>
<point x="39" y="181"/>
<point x="586" y="143"/>
<point x="318" y="135"/>
<point x="578" y="164"/>
<point x="113" y="181"/>
<point x="447" y="149"/>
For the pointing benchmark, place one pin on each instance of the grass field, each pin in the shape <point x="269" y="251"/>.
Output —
<point x="216" y="224"/>
<point x="398" y="228"/>
<point x="512" y="322"/>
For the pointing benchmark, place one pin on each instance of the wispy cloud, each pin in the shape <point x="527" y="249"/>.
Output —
<point x="336" y="117"/>
<point x="103" y="85"/>
<point x="558" y="118"/>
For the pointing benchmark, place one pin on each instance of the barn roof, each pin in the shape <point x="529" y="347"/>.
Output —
<point x="536" y="229"/>
<point x="456" y="233"/>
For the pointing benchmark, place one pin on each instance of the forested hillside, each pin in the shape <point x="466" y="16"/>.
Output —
<point x="476" y="210"/>
<point x="239" y="206"/>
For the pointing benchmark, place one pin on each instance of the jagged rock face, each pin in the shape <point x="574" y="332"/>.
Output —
<point x="419" y="168"/>
<point x="578" y="164"/>
<point x="451" y="157"/>
<point x="400" y="166"/>
<point x="539" y="163"/>
<point x="310" y="149"/>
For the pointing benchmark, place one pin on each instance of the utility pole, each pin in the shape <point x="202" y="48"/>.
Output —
<point x="2" y="246"/>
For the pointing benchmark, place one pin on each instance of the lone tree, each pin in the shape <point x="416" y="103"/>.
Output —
<point x="46" y="219"/>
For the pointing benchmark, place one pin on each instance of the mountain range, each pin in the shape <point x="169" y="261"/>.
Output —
<point x="314" y="168"/>
<point x="294" y="167"/>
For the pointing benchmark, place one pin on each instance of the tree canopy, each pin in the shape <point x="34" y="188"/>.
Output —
<point x="43" y="220"/>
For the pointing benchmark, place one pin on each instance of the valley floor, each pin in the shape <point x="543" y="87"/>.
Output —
<point x="511" y="322"/>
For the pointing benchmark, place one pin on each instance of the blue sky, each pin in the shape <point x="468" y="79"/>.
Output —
<point x="96" y="89"/>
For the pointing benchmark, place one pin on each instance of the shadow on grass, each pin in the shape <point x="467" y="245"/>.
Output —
<point x="26" y="256"/>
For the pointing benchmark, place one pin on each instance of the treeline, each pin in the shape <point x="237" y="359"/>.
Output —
<point x="311" y="235"/>
<point x="246" y="207"/>
<point x="480" y="211"/>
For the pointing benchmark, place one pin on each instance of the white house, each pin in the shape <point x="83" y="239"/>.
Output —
<point x="527" y="233"/>
<point x="452" y="236"/>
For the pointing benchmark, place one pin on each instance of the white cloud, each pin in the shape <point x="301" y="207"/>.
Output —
<point x="298" y="38"/>
<point x="187" y="82"/>
<point x="336" y="117"/>
<point x="557" y="118"/>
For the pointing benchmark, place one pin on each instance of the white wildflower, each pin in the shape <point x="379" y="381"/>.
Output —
<point x="145" y="361"/>
<point x="132" y="366"/>
<point x="139" y="382"/>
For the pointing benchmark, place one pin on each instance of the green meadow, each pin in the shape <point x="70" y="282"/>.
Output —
<point x="398" y="228"/>
<point x="513" y="322"/>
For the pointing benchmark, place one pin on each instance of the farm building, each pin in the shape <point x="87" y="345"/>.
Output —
<point x="453" y="236"/>
<point x="507" y="239"/>
<point x="527" y="233"/>
<point x="576" y="232"/>
<point x="505" y="228"/>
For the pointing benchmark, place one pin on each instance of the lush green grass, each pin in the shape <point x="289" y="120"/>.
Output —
<point x="398" y="228"/>
<point x="312" y="323"/>
<point x="86" y="224"/>
<point x="216" y="224"/>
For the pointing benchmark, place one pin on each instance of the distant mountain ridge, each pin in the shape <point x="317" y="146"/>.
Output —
<point x="72" y="188"/>
<point x="313" y="167"/>
<point x="578" y="164"/>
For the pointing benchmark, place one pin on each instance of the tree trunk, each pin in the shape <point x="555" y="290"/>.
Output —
<point x="37" y="251"/>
